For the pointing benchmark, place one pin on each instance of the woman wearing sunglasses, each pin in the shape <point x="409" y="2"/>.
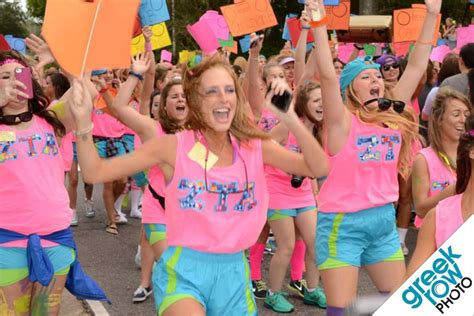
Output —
<point x="216" y="196"/>
<point x="389" y="68"/>
<point x="37" y="250"/>
<point x="369" y="145"/>
<point x="443" y="220"/>
<point x="434" y="170"/>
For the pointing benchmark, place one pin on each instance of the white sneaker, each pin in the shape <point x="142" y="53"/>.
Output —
<point x="137" y="214"/>
<point x="89" y="205"/>
<point x="120" y="218"/>
<point x="75" y="220"/>
<point x="404" y="249"/>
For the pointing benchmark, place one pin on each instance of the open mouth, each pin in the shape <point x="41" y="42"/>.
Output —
<point x="180" y="109"/>
<point x="374" y="92"/>
<point x="221" y="114"/>
<point x="460" y="129"/>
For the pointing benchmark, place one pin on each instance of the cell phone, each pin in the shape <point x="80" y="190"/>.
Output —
<point x="24" y="75"/>
<point x="255" y="40"/>
<point x="281" y="102"/>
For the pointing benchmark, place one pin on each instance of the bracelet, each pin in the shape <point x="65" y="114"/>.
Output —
<point x="306" y="27"/>
<point x="84" y="132"/>
<point x="132" y="73"/>
<point x="319" y="23"/>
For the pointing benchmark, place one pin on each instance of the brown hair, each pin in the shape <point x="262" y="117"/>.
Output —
<point x="266" y="69"/>
<point x="464" y="163"/>
<point x="444" y="95"/>
<point x="39" y="103"/>
<point x="169" y="125"/>
<point x="301" y="106"/>
<point x="242" y="127"/>
<point x="406" y="122"/>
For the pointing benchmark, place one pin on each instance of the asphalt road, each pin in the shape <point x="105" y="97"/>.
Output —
<point x="110" y="261"/>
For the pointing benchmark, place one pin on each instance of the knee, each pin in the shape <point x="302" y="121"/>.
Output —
<point x="285" y="249"/>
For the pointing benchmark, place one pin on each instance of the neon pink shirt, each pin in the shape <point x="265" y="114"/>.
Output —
<point x="136" y="106"/>
<point x="448" y="218"/>
<point x="364" y="173"/>
<point x="440" y="176"/>
<point x="106" y="125"/>
<point x="267" y="120"/>
<point x="222" y="221"/>
<point x="33" y="196"/>
<point x="66" y="151"/>
<point x="282" y="194"/>
<point x="152" y="212"/>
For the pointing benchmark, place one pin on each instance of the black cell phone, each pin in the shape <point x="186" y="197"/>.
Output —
<point x="282" y="102"/>
<point x="254" y="42"/>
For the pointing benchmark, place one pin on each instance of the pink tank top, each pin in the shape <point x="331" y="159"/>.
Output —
<point x="33" y="196"/>
<point x="440" y="176"/>
<point x="106" y="125"/>
<point x="364" y="173"/>
<point x="152" y="211"/>
<point x="282" y="194"/>
<point x="136" y="106"/>
<point x="67" y="151"/>
<point x="267" y="121"/>
<point x="448" y="218"/>
<point x="229" y="218"/>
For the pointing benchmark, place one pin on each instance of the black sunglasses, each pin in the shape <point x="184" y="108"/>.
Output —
<point x="384" y="104"/>
<point x="16" y="119"/>
<point x="394" y="66"/>
<point x="233" y="188"/>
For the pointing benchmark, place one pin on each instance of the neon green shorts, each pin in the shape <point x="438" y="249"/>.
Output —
<point x="155" y="232"/>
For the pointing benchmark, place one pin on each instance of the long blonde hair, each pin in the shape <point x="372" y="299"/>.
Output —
<point x="407" y="123"/>
<point x="443" y="96"/>
<point x="243" y="126"/>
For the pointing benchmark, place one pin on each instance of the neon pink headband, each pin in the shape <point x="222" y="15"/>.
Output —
<point x="11" y="61"/>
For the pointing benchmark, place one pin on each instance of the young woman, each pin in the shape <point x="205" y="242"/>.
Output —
<point x="292" y="206"/>
<point x="216" y="197"/>
<point x="369" y="144"/>
<point x="434" y="171"/>
<point x="443" y="220"/>
<point x="37" y="249"/>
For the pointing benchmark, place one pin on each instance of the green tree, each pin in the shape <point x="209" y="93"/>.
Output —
<point x="12" y="19"/>
<point x="36" y="8"/>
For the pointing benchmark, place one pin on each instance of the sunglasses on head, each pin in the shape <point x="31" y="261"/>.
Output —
<point x="387" y="67"/>
<point x="16" y="119"/>
<point x="384" y="104"/>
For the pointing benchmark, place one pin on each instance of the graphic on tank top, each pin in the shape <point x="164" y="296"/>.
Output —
<point x="439" y="185"/>
<point x="377" y="148"/>
<point x="28" y="146"/>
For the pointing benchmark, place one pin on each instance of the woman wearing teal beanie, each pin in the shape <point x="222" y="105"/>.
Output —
<point x="369" y="142"/>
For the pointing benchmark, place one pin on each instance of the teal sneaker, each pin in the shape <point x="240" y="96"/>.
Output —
<point x="278" y="303"/>
<point x="317" y="297"/>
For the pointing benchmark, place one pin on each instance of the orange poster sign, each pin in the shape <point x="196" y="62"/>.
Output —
<point x="407" y="24"/>
<point x="247" y="16"/>
<point x="86" y="35"/>
<point x="339" y="15"/>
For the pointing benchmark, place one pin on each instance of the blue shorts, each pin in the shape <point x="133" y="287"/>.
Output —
<point x="274" y="214"/>
<point x="357" y="239"/>
<point x="108" y="147"/>
<point x="140" y="178"/>
<point x="155" y="232"/>
<point x="219" y="282"/>
<point x="14" y="264"/>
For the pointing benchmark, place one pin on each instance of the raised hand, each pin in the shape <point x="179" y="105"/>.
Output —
<point x="80" y="103"/>
<point x="141" y="63"/>
<point x="433" y="6"/>
<point x="256" y="43"/>
<point x="41" y="49"/>
<point x="147" y="33"/>
<point x="279" y="87"/>
<point x="10" y="92"/>
<point x="304" y="19"/>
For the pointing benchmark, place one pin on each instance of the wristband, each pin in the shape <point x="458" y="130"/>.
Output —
<point x="132" y="73"/>
<point x="319" y="23"/>
<point x="306" y="27"/>
<point x="84" y="132"/>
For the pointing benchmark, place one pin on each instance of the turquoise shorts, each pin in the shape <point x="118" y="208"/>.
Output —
<point x="109" y="147"/>
<point x="274" y="214"/>
<point x="14" y="265"/>
<point x="155" y="232"/>
<point x="140" y="178"/>
<point x="219" y="282"/>
<point x="357" y="239"/>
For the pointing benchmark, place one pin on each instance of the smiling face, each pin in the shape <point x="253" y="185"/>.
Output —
<point x="218" y="98"/>
<point x="7" y="78"/>
<point x="315" y="104"/>
<point x="175" y="106"/>
<point x="155" y="106"/>
<point x="369" y="85"/>
<point x="453" y="119"/>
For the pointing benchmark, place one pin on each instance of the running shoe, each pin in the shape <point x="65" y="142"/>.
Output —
<point x="260" y="289"/>
<point x="298" y="287"/>
<point x="316" y="297"/>
<point x="141" y="294"/>
<point x="278" y="302"/>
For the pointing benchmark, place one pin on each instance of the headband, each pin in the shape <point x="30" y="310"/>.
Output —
<point x="11" y="60"/>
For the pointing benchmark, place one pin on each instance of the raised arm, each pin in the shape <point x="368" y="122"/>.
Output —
<point x="144" y="126"/>
<point x="314" y="162"/>
<point x="149" y="75"/>
<point x="158" y="151"/>
<point x="255" y="97"/>
<point x="336" y="116"/>
<point x="300" y="53"/>
<point x="418" y="60"/>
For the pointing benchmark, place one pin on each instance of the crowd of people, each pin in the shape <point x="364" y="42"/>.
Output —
<point x="331" y="158"/>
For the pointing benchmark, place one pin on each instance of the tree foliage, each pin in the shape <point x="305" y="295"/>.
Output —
<point x="36" y="8"/>
<point x="12" y="19"/>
